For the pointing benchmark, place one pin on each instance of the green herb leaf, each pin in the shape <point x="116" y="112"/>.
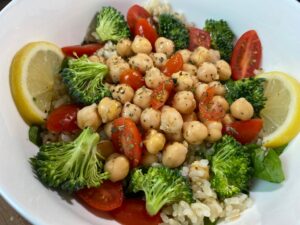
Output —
<point x="208" y="222"/>
<point x="279" y="150"/>
<point x="34" y="135"/>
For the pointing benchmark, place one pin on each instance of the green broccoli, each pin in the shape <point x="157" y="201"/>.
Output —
<point x="172" y="28"/>
<point x="222" y="37"/>
<point x="84" y="80"/>
<point x="161" y="186"/>
<point x="70" y="166"/>
<point x="231" y="167"/>
<point x="111" y="25"/>
<point x="250" y="88"/>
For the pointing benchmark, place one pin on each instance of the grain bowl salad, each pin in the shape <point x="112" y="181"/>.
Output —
<point x="156" y="120"/>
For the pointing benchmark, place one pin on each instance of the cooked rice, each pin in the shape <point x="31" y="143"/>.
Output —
<point x="108" y="50"/>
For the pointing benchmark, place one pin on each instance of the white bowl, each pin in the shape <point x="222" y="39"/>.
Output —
<point x="65" y="22"/>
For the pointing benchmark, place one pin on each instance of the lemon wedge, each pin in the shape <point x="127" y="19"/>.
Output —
<point x="281" y="114"/>
<point x="32" y="76"/>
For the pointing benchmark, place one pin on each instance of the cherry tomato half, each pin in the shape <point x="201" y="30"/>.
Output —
<point x="63" y="119"/>
<point x="246" y="56"/>
<point x="81" y="50"/>
<point x="145" y="29"/>
<point x="127" y="139"/>
<point x="134" y="13"/>
<point x="133" y="78"/>
<point x="133" y="212"/>
<point x="198" y="38"/>
<point x="108" y="196"/>
<point x="244" y="131"/>
<point x="161" y="94"/>
<point x="173" y="65"/>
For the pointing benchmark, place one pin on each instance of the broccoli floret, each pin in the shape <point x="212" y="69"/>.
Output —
<point x="161" y="186"/>
<point x="251" y="89"/>
<point x="111" y="25"/>
<point x="70" y="166"/>
<point x="222" y="37"/>
<point x="231" y="167"/>
<point x="84" y="80"/>
<point x="172" y="28"/>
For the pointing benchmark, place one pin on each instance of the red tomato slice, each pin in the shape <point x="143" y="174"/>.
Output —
<point x="63" y="119"/>
<point x="108" y="196"/>
<point x="133" y="78"/>
<point x="198" y="38"/>
<point x="81" y="50"/>
<point x="134" y="13"/>
<point x="133" y="212"/>
<point x="127" y="139"/>
<point x="161" y="94"/>
<point x="246" y="56"/>
<point x="173" y="65"/>
<point x="244" y="131"/>
<point x="145" y="29"/>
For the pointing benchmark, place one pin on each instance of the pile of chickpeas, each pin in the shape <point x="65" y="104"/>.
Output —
<point x="171" y="129"/>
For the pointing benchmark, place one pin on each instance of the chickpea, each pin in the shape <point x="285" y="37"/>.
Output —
<point x="184" y="102"/>
<point x="114" y="60"/>
<point x="142" y="97"/>
<point x="109" y="109"/>
<point x="213" y="55"/>
<point x="141" y="45"/>
<point x="150" y="118"/>
<point x="174" y="155"/>
<point x="132" y="112"/>
<point x="97" y="59"/>
<point x="207" y="72"/>
<point x="218" y="88"/>
<point x="108" y="129"/>
<point x="159" y="59"/>
<point x="123" y="93"/>
<point x="184" y="81"/>
<point x="199" y="56"/>
<point x="89" y="117"/>
<point x="241" y="109"/>
<point x="174" y="136"/>
<point x="214" y="135"/>
<point x="171" y="120"/>
<point x="117" y="166"/>
<point x="221" y="101"/>
<point x="189" y="117"/>
<point x="116" y="66"/>
<point x="141" y="62"/>
<point x="164" y="45"/>
<point x="200" y="90"/>
<point x="124" y="48"/>
<point x="148" y="159"/>
<point x="213" y="125"/>
<point x="154" y="141"/>
<point x="228" y="119"/>
<point x="186" y="54"/>
<point x="194" y="132"/>
<point x="224" y="69"/>
<point x="105" y="148"/>
<point x="154" y="77"/>
<point x="190" y="68"/>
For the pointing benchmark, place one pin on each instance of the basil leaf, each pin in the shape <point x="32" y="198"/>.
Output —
<point x="267" y="165"/>
<point x="34" y="135"/>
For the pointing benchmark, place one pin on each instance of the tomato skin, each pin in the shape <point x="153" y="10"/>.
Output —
<point x="173" y="65"/>
<point x="81" y="50"/>
<point x="246" y="56"/>
<point x="161" y="94"/>
<point x="133" y="78"/>
<point x="108" y="196"/>
<point x="127" y="139"/>
<point x="133" y="212"/>
<point x="145" y="29"/>
<point x="134" y="13"/>
<point x="63" y="119"/>
<point x="198" y="37"/>
<point x="244" y="131"/>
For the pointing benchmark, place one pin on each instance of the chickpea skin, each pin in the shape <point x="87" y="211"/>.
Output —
<point x="164" y="45"/>
<point x="141" y="61"/>
<point x="199" y="56"/>
<point x="89" y="117"/>
<point x="123" y="93"/>
<point x="186" y="55"/>
<point x="220" y="100"/>
<point x="189" y="117"/>
<point x="97" y="59"/>
<point x="200" y="90"/>
<point x="109" y="109"/>
<point x="117" y="166"/>
<point x="154" y="77"/>
<point x="150" y="118"/>
<point x="218" y="88"/>
<point x="142" y="97"/>
<point x="154" y="141"/>
<point x="174" y="155"/>
<point x="224" y="69"/>
<point x="124" y="48"/>
<point x="213" y="55"/>
<point x="171" y="120"/>
<point x="228" y="119"/>
<point x="148" y="159"/>
<point x="184" y="81"/>
<point x="214" y="135"/>
<point x="194" y="132"/>
<point x="207" y="72"/>
<point x="159" y="59"/>
<point x="108" y="129"/>
<point x="241" y="109"/>
<point x="141" y="45"/>
<point x="190" y="68"/>
<point x="184" y="102"/>
<point x="132" y="112"/>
